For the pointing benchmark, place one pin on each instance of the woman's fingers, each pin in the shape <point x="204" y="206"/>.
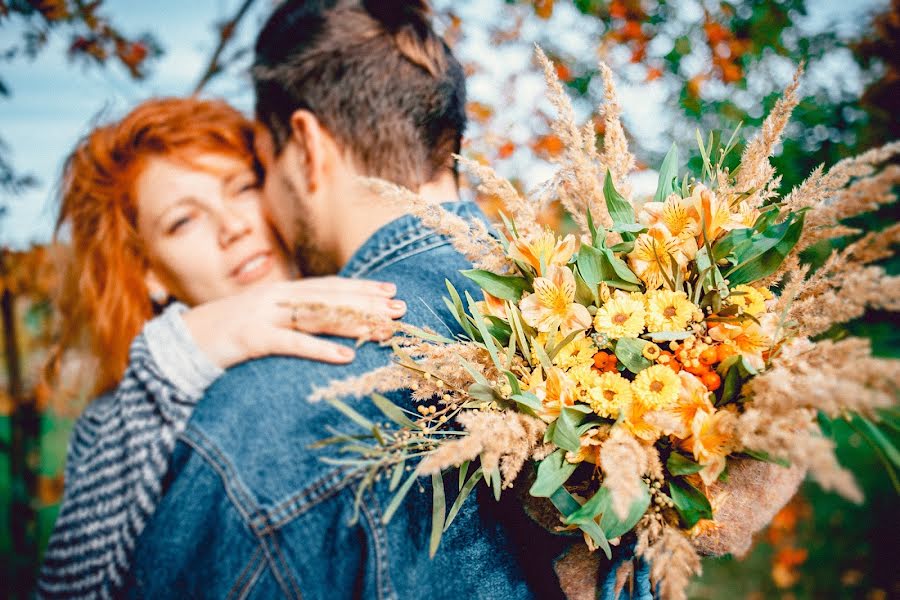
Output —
<point x="373" y="305"/>
<point x="331" y="319"/>
<point x="289" y="342"/>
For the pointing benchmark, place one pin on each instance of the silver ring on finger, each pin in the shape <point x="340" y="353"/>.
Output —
<point x="295" y="317"/>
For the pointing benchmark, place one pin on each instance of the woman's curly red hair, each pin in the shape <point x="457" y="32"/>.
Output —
<point x="104" y="300"/>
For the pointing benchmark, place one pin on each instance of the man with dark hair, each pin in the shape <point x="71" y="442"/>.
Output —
<point x="343" y="89"/>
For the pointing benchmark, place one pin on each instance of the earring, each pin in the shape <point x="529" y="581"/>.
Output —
<point x="158" y="296"/>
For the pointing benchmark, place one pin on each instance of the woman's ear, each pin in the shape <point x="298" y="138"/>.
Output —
<point x="159" y="293"/>
<point x="313" y="144"/>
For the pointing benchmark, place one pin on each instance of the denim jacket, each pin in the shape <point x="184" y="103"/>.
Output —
<point x="250" y="511"/>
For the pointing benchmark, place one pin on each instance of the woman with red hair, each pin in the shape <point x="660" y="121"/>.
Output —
<point x="175" y="275"/>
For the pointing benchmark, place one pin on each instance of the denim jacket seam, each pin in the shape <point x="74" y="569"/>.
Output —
<point x="254" y="578"/>
<point x="372" y="512"/>
<point x="245" y="506"/>
<point x="287" y="569"/>
<point x="239" y="582"/>
<point x="322" y="489"/>
<point x="373" y="260"/>
<point x="395" y="258"/>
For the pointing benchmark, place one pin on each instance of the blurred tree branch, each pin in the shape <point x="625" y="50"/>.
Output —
<point x="226" y="34"/>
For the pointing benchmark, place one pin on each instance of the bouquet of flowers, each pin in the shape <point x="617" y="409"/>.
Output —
<point x="632" y="371"/>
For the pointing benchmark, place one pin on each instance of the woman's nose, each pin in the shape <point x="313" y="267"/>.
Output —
<point x="232" y="227"/>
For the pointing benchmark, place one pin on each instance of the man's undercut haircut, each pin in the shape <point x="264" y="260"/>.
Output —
<point x="375" y="75"/>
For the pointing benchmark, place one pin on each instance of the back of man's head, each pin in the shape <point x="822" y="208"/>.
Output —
<point x="375" y="75"/>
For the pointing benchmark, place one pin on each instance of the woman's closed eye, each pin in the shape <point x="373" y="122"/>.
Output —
<point x="179" y="223"/>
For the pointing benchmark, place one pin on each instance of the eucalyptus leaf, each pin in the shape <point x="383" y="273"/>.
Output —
<point x="614" y="527"/>
<point x="350" y="413"/>
<point x="629" y="351"/>
<point x="397" y="475"/>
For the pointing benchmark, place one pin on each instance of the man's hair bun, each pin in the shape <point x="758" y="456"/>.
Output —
<point x="394" y="14"/>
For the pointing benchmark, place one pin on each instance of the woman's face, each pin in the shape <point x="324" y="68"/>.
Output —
<point x="204" y="230"/>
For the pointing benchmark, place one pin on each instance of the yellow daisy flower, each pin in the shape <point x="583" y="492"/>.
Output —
<point x="668" y="311"/>
<point x="544" y="248"/>
<point x="749" y="298"/>
<point x="552" y="305"/>
<point x="611" y="393"/>
<point x="621" y="316"/>
<point x="656" y="387"/>
<point x="578" y="352"/>
<point x="653" y="257"/>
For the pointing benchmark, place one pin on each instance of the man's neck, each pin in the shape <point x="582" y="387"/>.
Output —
<point x="371" y="213"/>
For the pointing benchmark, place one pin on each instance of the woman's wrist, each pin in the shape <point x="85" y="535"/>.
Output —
<point x="177" y="353"/>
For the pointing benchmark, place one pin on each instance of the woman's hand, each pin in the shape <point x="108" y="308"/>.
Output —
<point x="275" y="319"/>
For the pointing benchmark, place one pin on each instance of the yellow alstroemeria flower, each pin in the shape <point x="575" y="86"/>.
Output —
<point x="552" y="305"/>
<point x="634" y="417"/>
<point x="621" y="316"/>
<point x="589" y="449"/>
<point x="653" y="257"/>
<point x="711" y="440"/>
<point x="668" y="310"/>
<point x="744" y="218"/>
<point x="680" y="220"/>
<point x="556" y="392"/>
<point x="747" y="339"/>
<point x="545" y="248"/>
<point x="692" y="397"/>
<point x="715" y="213"/>
<point x="493" y="307"/>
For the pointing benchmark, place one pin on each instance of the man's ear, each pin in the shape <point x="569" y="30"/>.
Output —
<point x="313" y="144"/>
<point x="158" y="291"/>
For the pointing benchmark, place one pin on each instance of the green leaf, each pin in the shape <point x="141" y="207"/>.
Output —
<point x="767" y="251"/>
<point x="566" y="504"/>
<point x="613" y="526"/>
<point x="396" y="476"/>
<point x="622" y="248"/>
<point x="528" y="401"/>
<point x="506" y="287"/>
<point x="393" y="412"/>
<point x="620" y="268"/>
<point x="438" y="511"/>
<point x="628" y="350"/>
<point x="690" y="502"/>
<point x="619" y="208"/>
<point x="552" y="472"/>
<point x="678" y="464"/>
<point x="870" y="430"/>
<point x="489" y="343"/>
<point x="464" y="492"/>
<point x="455" y="306"/>
<point x="668" y="173"/>
<point x="398" y="497"/>
<point x="590" y="266"/>
<point x="496" y="485"/>
<point x="734" y="371"/>
<point x="565" y="435"/>
<point x="765" y="457"/>
<point x="486" y="393"/>
<point x="351" y="414"/>
<point x="499" y="330"/>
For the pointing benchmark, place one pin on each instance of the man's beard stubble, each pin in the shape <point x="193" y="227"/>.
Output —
<point x="307" y="249"/>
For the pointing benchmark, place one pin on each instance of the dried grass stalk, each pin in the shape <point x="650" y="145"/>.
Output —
<point x="673" y="561"/>
<point x="624" y="461"/>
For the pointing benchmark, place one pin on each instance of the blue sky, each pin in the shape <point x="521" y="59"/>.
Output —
<point x="54" y="101"/>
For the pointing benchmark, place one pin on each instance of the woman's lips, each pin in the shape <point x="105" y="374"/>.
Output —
<point x="253" y="268"/>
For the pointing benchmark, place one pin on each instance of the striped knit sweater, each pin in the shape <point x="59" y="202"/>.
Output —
<point x="118" y="455"/>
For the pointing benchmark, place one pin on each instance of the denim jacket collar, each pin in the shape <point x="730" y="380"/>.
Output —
<point x="397" y="236"/>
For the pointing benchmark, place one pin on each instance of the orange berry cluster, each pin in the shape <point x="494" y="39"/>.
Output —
<point x="605" y="362"/>
<point x="699" y="357"/>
